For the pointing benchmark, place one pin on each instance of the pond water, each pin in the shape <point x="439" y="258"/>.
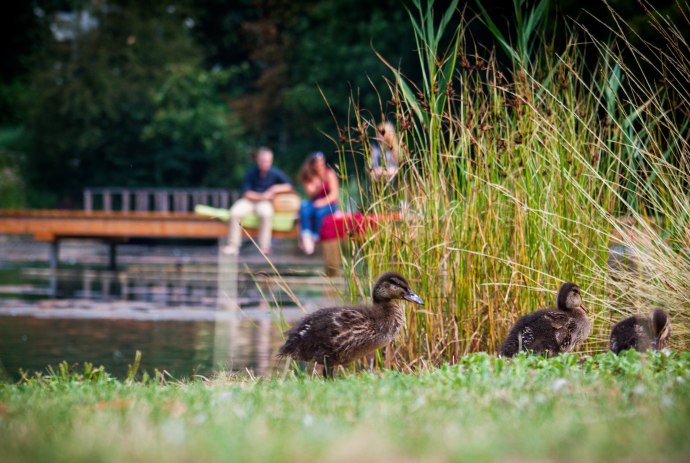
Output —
<point x="186" y="308"/>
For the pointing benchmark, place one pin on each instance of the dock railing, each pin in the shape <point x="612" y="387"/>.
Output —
<point x="167" y="200"/>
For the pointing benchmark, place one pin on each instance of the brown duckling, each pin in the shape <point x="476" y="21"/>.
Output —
<point x="338" y="335"/>
<point x="641" y="332"/>
<point x="551" y="331"/>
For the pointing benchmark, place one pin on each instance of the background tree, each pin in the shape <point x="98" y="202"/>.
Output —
<point x="96" y="92"/>
<point x="132" y="92"/>
<point x="193" y="138"/>
<point x="297" y="53"/>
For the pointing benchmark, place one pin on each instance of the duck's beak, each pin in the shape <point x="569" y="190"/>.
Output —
<point x="412" y="297"/>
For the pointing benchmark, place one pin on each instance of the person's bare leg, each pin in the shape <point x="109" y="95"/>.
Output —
<point x="264" y="210"/>
<point x="307" y="242"/>
<point x="241" y="208"/>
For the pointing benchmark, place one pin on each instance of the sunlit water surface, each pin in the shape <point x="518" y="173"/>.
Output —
<point x="187" y="309"/>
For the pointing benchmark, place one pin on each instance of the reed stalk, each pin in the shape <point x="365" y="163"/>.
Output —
<point x="515" y="179"/>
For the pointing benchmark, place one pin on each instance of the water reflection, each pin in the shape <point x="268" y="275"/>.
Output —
<point x="188" y="310"/>
<point x="194" y="286"/>
<point x="182" y="348"/>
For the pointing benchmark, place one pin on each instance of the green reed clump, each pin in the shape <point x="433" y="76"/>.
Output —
<point x="647" y="106"/>
<point x="515" y="180"/>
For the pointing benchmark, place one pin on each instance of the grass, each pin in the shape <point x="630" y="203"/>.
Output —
<point x="512" y="181"/>
<point x="603" y="408"/>
<point x="516" y="178"/>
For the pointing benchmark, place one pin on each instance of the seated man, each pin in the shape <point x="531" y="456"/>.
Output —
<point x="259" y="187"/>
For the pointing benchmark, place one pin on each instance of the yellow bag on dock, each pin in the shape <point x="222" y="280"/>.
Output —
<point x="282" y="221"/>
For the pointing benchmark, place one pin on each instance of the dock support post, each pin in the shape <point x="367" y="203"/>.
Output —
<point x="331" y="257"/>
<point x="228" y="276"/>
<point x="54" y="254"/>
<point x="112" y="256"/>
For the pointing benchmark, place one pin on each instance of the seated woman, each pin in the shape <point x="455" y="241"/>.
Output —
<point x="321" y="186"/>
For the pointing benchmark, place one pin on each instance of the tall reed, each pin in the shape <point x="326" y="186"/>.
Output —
<point x="517" y="178"/>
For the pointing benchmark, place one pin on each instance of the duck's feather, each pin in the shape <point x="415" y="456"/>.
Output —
<point x="632" y="333"/>
<point x="339" y="335"/>
<point x="550" y="331"/>
<point x="557" y="320"/>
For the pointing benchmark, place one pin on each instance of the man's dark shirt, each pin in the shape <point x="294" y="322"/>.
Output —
<point x="253" y="181"/>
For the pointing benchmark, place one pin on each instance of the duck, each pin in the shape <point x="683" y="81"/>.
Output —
<point x="641" y="332"/>
<point x="551" y="331"/>
<point x="336" y="336"/>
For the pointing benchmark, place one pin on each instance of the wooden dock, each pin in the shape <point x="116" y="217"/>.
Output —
<point x="116" y="214"/>
<point x="48" y="225"/>
<point x="113" y="227"/>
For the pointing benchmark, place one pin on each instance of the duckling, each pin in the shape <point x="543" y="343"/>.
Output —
<point x="338" y="335"/>
<point x="551" y="331"/>
<point x="641" y="332"/>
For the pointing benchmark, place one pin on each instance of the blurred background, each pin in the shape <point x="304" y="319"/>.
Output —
<point x="155" y="95"/>
<point x="161" y="94"/>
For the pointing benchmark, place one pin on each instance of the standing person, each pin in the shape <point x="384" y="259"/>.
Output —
<point x="259" y="187"/>
<point x="384" y="152"/>
<point x="321" y="186"/>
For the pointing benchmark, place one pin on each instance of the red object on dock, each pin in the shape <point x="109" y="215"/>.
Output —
<point x="339" y="226"/>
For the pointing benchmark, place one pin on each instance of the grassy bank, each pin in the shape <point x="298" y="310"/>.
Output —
<point x="604" y="408"/>
<point x="520" y="167"/>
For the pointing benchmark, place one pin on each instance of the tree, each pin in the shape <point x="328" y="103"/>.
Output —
<point x="194" y="137"/>
<point x="104" y="96"/>
<point x="294" y="51"/>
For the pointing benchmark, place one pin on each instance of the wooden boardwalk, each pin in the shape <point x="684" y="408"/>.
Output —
<point x="113" y="227"/>
<point x="156" y="199"/>
<point x="115" y="215"/>
<point x="48" y="225"/>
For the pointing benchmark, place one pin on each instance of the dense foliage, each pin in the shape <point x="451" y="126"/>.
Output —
<point x="138" y="93"/>
<point x="158" y="94"/>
